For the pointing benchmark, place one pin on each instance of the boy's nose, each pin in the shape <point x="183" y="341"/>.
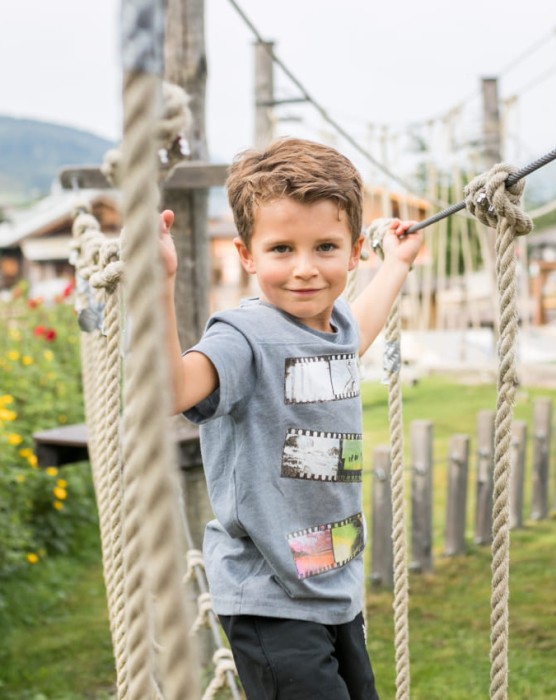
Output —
<point x="304" y="266"/>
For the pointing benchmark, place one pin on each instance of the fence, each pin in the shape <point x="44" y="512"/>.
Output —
<point x="421" y="467"/>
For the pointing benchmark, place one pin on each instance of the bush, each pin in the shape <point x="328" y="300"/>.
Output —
<point x="40" y="509"/>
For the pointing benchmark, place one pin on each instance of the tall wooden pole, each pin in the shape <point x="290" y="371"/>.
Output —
<point x="186" y="66"/>
<point x="264" y="93"/>
<point x="492" y="149"/>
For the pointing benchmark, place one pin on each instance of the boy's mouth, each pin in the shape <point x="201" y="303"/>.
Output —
<point x="304" y="292"/>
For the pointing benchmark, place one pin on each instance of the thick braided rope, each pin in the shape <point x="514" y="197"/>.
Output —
<point x="150" y="468"/>
<point x="98" y="259"/>
<point x="489" y="200"/>
<point x="88" y="242"/>
<point x="377" y="232"/>
<point x="107" y="279"/>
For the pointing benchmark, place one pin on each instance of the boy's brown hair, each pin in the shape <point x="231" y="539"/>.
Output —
<point x="304" y="171"/>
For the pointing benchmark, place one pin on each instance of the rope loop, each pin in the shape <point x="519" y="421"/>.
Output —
<point x="204" y="602"/>
<point x="489" y="200"/>
<point x="193" y="558"/>
<point x="224" y="663"/>
<point x="111" y="268"/>
<point x="375" y="234"/>
<point x="170" y="133"/>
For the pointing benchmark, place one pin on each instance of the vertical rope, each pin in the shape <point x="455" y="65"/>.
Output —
<point x="401" y="598"/>
<point x="488" y="198"/>
<point x="149" y="465"/>
<point x="392" y="366"/>
<point x="107" y="280"/>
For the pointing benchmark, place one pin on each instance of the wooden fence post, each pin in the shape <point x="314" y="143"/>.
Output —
<point x="458" y="465"/>
<point x="542" y="424"/>
<point x="485" y="469"/>
<point x="382" y="559"/>
<point x="517" y="472"/>
<point x="421" y="434"/>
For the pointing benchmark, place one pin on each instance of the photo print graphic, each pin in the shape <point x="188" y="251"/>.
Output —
<point x="326" y="547"/>
<point x="323" y="378"/>
<point x="308" y="454"/>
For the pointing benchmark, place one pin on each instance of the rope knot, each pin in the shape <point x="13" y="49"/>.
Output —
<point x="375" y="234"/>
<point x="488" y="199"/>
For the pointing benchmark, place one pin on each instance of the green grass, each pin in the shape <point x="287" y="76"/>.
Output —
<point x="54" y="638"/>
<point x="449" y="619"/>
<point x="55" y="644"/>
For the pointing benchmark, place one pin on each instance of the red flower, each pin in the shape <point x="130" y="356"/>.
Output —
<point x="50" y="335"/>
<point x="39" y="330"/>
<point x="68" y="288"/>
<point x="33" y="303"/>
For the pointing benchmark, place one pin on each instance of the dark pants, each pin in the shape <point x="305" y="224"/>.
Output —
<point x="280" y="659"/>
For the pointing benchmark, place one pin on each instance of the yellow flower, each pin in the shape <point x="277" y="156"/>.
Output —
<point x="51" y="471"/>
<point x="58" y="505"/>
<point x="48" y="355"/>
<point x="8" y="415"/>
<point x="62" y="483"/>
<point x="14" y="334"/>
<point x="32" y="558"/>
<point x="62" y="419"/>
<point x="7" y="398"/>
<point x="27" y="360"/>
<point x="25" y="452"/>
<point x="32" y="459"/>
<point x="20" y="478"/>
<point x="61" y="494"/>
<point x="14" y="439"/>
<point x="13" y="355"/>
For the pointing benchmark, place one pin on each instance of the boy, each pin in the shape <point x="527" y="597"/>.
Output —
<point x="275" y="387"/>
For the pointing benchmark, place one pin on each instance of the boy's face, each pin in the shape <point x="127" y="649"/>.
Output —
<point x="301" y="254"/>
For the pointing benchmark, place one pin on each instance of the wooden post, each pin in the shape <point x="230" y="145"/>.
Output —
<point x="421" y="442"/>
<point x="458" y="464"/>
<point x="491" y="122"/>
<point x="517" y="472"/>
<point x="264" y="93"/>
<point x="485" y="469"/>
<point x="382" y="558"/>
<point x="186" y="66"/>
<point x="542" y="425"/>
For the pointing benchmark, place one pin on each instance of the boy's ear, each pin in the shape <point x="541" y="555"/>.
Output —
<point x="245" y="255"/>
<point x="355" y="253"/>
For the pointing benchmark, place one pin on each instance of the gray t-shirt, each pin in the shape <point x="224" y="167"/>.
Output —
<point x="281" y="443"/>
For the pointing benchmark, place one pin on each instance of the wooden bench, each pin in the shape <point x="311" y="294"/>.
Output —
<point x="69" y="444"/>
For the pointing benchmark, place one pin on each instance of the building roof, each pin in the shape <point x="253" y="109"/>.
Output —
<point x="47" y="215"/>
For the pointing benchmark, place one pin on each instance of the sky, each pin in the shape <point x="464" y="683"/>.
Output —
<point x="373" y="66"/>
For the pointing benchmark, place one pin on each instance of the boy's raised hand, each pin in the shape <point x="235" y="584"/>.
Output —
<point x="396" y="242"/>
<point x="166" y="244"/>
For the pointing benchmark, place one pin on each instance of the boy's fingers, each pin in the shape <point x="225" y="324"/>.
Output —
<point x="166" y="220"/>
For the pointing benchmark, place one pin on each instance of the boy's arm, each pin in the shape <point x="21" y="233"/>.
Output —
<point x="372" y="306"/>
<point x="193" y="377"/>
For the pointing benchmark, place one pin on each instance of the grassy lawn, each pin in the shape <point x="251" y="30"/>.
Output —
<point x="449" y="622"/>
<point x="54" y="639"/>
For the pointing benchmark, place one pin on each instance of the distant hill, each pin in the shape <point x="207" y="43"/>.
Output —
<point x="32" y="152"/>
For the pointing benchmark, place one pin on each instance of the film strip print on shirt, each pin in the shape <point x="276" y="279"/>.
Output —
<point x="308" y="454"/>
<point x="327" y="547"/>
<point x="321" y="378"/>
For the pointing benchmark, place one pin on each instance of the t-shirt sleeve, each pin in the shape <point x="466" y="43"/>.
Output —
<point x="232" y="356"/>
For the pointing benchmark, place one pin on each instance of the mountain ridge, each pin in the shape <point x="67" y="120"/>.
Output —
<point x="33" y="151"/>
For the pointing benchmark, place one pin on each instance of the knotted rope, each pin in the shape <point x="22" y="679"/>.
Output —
<point x="170" y="133"/>
<point x="392" y="366"/>
<point x="98" y="261"/>
<point x="488" y="199"/>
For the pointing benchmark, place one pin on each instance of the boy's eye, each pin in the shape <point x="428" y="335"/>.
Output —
<point x="280" y="249"/>
<point x="326" y="247"/>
